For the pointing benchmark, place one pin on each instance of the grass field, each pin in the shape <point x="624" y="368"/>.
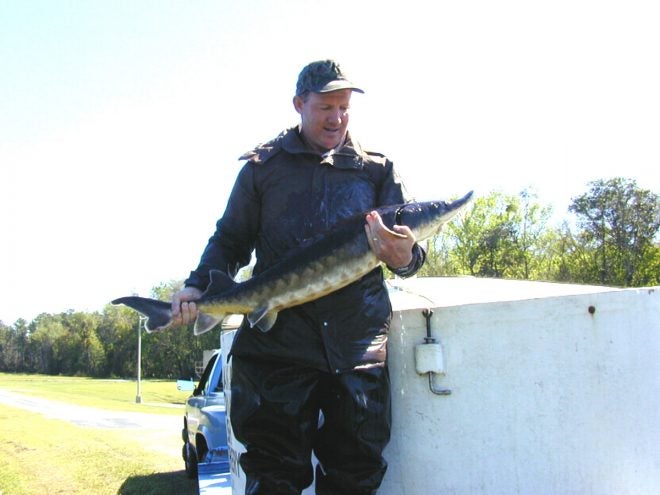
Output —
<point x="39" y="455"/>
<point x="158" y="396"/>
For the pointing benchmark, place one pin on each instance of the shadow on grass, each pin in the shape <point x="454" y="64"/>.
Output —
<point x="174" y="483"/>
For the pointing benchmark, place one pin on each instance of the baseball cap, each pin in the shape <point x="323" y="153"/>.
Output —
<point x="323" y="76"/>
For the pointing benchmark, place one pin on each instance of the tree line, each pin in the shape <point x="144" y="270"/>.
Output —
<point x="612" y="241"/>
<point x="102" y="344"/>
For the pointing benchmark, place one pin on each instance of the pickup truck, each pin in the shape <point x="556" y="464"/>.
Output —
<point x="204" y="431"/>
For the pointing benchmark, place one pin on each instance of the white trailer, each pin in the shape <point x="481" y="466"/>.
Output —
<point x="518" y="388"/>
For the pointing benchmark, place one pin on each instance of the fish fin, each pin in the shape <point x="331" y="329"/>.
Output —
<point x="267" y="322"/>
<point x="158" y="313"/>
<point x="206" y="322"/>
<point x="220" y="282"/>
<point x="262" y="318"/>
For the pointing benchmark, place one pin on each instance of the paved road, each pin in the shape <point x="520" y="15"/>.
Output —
<point x="160" y="433"/>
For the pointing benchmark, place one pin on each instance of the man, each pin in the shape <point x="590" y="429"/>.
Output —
<point x="323" y="356"/>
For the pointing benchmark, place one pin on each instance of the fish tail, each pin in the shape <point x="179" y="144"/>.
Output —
<point x="158" y="313"/>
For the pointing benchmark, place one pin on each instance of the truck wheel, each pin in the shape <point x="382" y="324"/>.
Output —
<point x="190" y="460"/>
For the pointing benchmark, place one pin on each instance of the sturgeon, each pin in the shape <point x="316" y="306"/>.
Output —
<point x="328" y="263"/>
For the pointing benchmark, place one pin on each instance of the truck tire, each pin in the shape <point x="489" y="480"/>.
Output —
<point x="189" y="459"/>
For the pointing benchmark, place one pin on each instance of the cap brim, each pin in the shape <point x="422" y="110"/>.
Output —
<point x="337" y="85"/>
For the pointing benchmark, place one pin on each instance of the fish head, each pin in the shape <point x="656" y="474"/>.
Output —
<point x="426" y="219"/>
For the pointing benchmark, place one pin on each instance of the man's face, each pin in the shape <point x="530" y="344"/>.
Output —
<point x="324" y="117"/>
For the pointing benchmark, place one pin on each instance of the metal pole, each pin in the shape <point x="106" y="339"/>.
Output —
<point x="138" y="397"/>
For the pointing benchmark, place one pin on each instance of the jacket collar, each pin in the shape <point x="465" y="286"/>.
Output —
<point x="349" y="156"/>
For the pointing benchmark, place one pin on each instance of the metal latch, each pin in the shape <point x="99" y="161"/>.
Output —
<point x="428" y="357"/>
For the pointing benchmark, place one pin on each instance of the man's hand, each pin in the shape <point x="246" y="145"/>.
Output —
<point x="184" y="309"/>
<point x="392" y="247"/>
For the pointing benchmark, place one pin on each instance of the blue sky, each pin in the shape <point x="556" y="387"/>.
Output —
<point x="121" y="122"/>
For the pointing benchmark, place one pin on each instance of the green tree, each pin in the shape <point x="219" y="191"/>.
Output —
<point x="117" y="332"/>
<point x="14" y="345"/>
<point x="534" y="238"/>
<point x="78" y="351"/>
<point x="45" y="329"/>
<point x="617" y="224"/>
<point x="5" y="333"/>
<point x="500" y="236"/>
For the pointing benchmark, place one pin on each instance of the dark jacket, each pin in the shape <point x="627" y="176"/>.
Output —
<point x="284" y="196"/>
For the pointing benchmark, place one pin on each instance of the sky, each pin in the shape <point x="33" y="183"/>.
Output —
<point x="121" y="122"/>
